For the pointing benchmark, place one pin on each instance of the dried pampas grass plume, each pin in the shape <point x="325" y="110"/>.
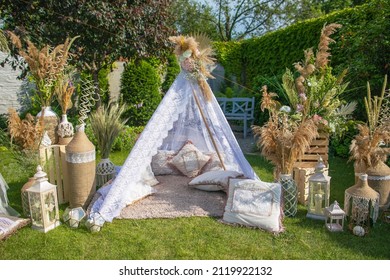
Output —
<point x="323" y="54"/>
<point x="26" y="133"/>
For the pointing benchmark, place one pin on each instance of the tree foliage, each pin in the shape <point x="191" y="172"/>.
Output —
<point x="107" y="29"/>
<point x="239" y="19"/>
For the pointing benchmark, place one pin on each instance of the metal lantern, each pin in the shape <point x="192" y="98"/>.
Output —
<point x="319" y="187"/>
<point x="73" y="216"/>
<point x="42" y="198"/>
<point x="334" y="217"/>
<point x="95" y="222"/>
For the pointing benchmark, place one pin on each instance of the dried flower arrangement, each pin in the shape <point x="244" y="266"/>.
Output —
<point x="63" y="90"/>
<point x="27" y="133"/>
<point x="371" y="146"/>
<point x="284" y="138"/>
<point x="315" y="92"/>
<point x="45" y="64"/>
<point x="195" y="58"/>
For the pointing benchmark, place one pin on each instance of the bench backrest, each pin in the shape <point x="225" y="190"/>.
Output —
<point x="237" y="106"/>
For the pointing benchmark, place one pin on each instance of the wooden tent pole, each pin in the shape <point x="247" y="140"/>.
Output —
<point x="207" y="127"/>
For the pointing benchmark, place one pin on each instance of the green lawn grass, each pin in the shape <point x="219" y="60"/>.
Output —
<point x="197" y="238"/>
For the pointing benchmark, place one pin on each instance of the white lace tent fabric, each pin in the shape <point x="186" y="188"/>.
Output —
<point x="177" y="119"/>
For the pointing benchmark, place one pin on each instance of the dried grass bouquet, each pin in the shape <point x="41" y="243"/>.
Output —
<point x="285" y="137"/>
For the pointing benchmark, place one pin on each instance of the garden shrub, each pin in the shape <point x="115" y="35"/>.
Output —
<point x="172" y="70"/>
<point x="339" y="144"/>
<point x="140" y="84"/>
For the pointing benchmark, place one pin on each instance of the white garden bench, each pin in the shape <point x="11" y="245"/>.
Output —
<point x="238" y="108"/>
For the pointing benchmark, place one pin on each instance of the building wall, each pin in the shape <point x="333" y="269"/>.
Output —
<point x="11" y="89"/>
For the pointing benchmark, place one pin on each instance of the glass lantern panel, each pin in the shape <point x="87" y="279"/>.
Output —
<point x="50" y="208"/>
<point x="318" y="193"/>
<point x="36" y="209"/>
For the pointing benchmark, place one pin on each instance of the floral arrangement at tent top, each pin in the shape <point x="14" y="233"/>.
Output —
<point x="316" y="92"/>
<point x="195" y="57"/>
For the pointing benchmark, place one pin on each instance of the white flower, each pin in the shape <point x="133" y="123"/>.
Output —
<point x="285" y="109"/>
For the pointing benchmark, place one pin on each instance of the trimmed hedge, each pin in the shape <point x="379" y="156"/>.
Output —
<point x="140" y="90"/>
<point x="362" y="46"/>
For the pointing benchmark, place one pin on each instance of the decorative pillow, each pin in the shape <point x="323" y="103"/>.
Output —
<point x="254" y="203"/>
<point x="161" y="163"/>
<point x="189" y="160"/>
<point x="148" y="177"/>
<point x="213" y="164"/>
<point x="214" y="180"/>
<point x="10" y="224"/>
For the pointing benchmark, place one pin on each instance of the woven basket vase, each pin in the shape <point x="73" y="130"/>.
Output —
<point x="379" y="180"/>
<point x="80" y="158"/>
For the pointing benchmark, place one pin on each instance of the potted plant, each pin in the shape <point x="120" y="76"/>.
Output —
<point x="282" y="140"/>
<point x="316" y="92"/>
<point x="106" y="124"/>
<point x="45" y="65"/>
<point x="64" y="90"/>
<point x="370" y="147"/>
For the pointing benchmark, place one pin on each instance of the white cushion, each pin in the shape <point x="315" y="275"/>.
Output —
<point x="161" y="163"/>
<point x="254" y="203"/>
<point x="219" y="179"/>
<point x="189" y="160"/>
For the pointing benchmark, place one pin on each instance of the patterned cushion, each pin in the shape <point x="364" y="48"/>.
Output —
<point x="254" y="203"/>
<point x="161" y="163"/>
<point x="189" y="160"/>
<point x="213" y="164"/>
<point x="214" y="180"/>
<point x="10" y="224"/>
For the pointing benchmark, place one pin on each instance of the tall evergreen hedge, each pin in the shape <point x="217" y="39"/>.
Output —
<point x="140" y="90"/>
<point x="362" y="46"/>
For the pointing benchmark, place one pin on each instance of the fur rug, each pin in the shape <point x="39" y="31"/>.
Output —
<point x="174" y="198"/>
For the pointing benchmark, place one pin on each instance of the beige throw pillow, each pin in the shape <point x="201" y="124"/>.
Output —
<point x="161" y="163"/>
<point x="214" y="180"/>
<point x="189" y="160"/>
<point x="213" y="164"/>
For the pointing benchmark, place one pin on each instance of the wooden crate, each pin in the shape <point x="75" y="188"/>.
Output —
<point x="319" y="147"/>
<point x="305" y="165"/>
<point x="52" y="160"/>
<point x="301" y="177"/>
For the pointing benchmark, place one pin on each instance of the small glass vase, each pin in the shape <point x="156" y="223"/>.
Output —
<point x="290" y="195"/>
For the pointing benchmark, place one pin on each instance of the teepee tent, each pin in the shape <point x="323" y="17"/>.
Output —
<point x="188" y="112"/>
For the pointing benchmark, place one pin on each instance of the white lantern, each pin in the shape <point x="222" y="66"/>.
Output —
<point x="334" y="217"/>
<point x="43" y="203"/>
<point x="73" y="216"/>
<point x="319" y="186"/>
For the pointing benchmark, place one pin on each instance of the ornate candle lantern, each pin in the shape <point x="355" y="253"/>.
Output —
<point x="319" y="187"/>
<point x="334" y="217"/>
<point x="42" y="198"/>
